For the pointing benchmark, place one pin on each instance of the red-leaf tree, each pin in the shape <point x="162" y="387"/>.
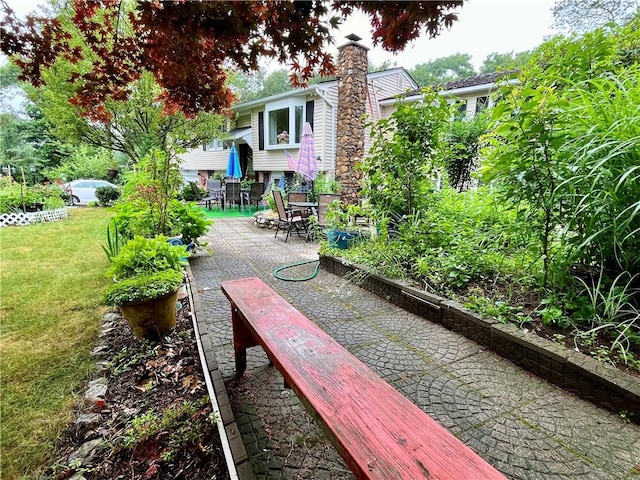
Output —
<point x="190" y="45"/>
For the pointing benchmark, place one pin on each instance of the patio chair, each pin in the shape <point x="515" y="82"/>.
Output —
<point x="324" y="199"/>
<point x="287" y="219"/>
<point x="233" y="195"/>
<point x="255" y="194"/>
<point x="299" y="197"/>
<point x="214" y="187"/>
<point x="201" y="200"/>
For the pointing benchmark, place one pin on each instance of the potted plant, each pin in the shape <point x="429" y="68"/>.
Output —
<point x="147" y="274"/>
<point x="341" y="221"/>
<point x="148" y="302"/>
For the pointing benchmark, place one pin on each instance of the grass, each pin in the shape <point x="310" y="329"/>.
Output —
<point x="52" y="276"/>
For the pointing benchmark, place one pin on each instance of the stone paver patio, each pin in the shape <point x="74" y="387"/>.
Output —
<point x="525" y="427"/>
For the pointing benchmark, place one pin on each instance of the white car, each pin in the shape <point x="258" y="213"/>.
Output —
<point x="84" y="191"/>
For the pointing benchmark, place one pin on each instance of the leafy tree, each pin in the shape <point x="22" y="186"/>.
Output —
<point x="564" y="155"/>
<point x="405" y="153"/>
<point x="251" y="86"/>
<point x="386" y="65"/>
<point x="14" y="147"/>
<point x="83" y="162"/>
<point x="443" y="70"/>
<point x="190" y="46"/>
<point x="495" y="62"/>
<point x="133" y="126"/>
<point x="586" y="15"/>
<point x="524" y="157"/>
<point x="461" y="158"/>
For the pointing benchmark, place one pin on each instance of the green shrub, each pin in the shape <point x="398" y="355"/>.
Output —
<point x="143" y="287"/>
<point x="13" y="196"/>
<point x="192" y="221"/>
<point x="107" y="195"/>
<point x="143" y="256"/>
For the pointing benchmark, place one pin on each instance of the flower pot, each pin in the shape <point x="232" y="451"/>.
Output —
<point x="151" y="319"/>
<point x="341" y="239"/>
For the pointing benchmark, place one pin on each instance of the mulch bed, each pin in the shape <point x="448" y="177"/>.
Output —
<point x="157" y="420"/>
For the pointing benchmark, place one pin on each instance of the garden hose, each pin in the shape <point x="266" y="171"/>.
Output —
<point x="304" y="279"/>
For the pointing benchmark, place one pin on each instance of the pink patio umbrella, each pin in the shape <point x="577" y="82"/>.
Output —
<point x="307" y="165"/>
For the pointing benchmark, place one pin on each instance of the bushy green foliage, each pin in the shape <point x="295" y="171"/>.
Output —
<point x="85" y="162"/>
<point x="406" y="151"/>
<point x="107" y="195"/>
<point x="143" y="287"/>
<point x="563" y="148"/>
<point x="461" y="158"/>
<point x="193" y="222"/>
<point x="142" y="256"/>
<point x="15" y="195"/>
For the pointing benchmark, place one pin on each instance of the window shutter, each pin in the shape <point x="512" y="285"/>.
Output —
<point x="309" y="114"/>
<point x="260" y="130"/>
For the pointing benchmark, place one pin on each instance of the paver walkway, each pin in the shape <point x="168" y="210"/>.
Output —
<point x="525" y="427"/>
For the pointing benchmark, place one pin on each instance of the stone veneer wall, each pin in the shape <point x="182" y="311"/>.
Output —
<point x="352" y="98"/>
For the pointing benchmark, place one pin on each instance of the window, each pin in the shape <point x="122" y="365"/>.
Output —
<point x="284" y="123"/>
<point x="215" y="144"/>
<point x="461" y="112"/>
<point x="481" y="104"/>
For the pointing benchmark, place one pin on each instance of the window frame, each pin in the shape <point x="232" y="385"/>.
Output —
<point x="295" y="134"/>
<point x="482" y="103"/>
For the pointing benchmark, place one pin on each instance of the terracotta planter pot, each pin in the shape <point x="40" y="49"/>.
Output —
<point x="151" y="319"/>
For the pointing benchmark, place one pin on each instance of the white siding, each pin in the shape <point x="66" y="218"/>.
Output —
<point x="198" y="159"/>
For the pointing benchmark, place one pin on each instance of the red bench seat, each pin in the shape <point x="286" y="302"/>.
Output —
<point x="379" y="432"/>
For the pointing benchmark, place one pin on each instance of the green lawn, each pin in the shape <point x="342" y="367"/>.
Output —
<point x="52" y="276"/>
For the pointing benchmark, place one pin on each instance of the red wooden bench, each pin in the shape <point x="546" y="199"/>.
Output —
<point x="379" y="432"/>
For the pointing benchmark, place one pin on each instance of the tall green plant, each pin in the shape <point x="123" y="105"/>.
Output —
<point x="461" y="159"/>
<point x="405" y="152"/>
<point x="148" y="191"/>
<point x="526" y="161"/>
<point x="604" y="188"/>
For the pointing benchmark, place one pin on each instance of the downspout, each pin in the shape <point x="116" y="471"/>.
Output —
<point x="333" y="129"/>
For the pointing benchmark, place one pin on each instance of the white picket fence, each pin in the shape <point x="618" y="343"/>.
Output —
<point x="21" y="219"/>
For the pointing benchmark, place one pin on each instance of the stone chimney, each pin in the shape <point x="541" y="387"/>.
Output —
<point x="352" y="100"/>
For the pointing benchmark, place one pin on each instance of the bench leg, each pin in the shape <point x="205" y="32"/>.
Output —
<point x="242" y="339"/>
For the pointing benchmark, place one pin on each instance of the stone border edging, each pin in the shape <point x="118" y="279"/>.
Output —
<point x="572" y="371"/>
<point x="239" y="466"/>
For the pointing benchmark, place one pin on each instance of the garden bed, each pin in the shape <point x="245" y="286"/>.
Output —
<point x="576" y="372"/>
<point x="156" y="420"/>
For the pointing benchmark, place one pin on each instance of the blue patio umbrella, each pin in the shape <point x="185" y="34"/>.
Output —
<point x="281" y="183"/>
<point x="233" y="166"/>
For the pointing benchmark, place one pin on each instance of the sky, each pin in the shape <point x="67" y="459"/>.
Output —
<point x="483" y="27"/>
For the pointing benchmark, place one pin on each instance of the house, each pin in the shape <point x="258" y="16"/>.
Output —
<point x="472" y="94"/>
<point x="266" y="131"/>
